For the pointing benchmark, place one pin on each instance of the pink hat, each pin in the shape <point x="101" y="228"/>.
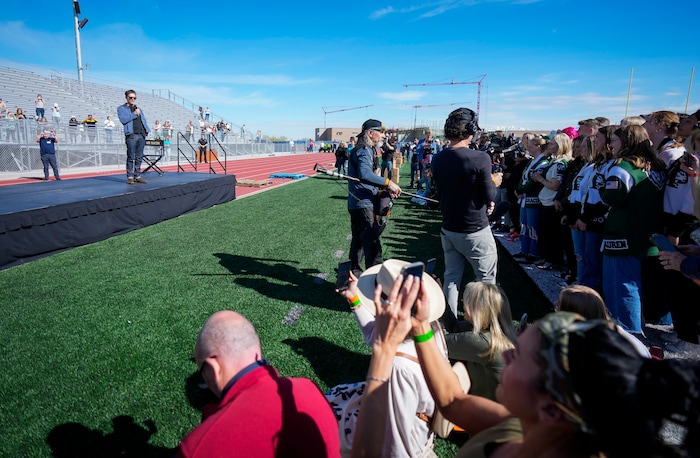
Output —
<point x="570" y="131"/>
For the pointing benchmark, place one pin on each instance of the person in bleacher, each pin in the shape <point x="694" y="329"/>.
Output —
<point x="135" y="130"/>
<point x="40" y="107"/>
<point x="91" y="127"/>
<point x="56" y="115"/>
<point x="109" y="128"/>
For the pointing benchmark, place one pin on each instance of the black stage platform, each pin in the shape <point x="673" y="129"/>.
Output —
<point x="42" y="218"/>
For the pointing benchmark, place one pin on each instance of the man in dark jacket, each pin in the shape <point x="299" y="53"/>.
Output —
<point x="367" y="216"/>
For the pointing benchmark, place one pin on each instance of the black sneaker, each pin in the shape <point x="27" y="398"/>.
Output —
<point x="520" y="255"/>
<point x="530" y="259"/>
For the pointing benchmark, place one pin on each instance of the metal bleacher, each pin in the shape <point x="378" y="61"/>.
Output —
<point x="20" y="86"/>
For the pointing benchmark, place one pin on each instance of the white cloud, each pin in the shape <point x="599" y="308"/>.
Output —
<point x="405" y="96"/>
<point x="436" y="8"/>
<point x="382" y="12"/>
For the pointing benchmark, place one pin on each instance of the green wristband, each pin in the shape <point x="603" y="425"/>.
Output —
<point x="423" y="337"/>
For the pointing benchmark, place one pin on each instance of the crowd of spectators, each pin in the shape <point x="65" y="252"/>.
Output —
<point x="614" y="209"/>
<point x="16" y="126"/>
<point x="585" y="202"/>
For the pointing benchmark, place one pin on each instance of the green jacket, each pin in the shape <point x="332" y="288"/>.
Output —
<point x="635" y="197"/>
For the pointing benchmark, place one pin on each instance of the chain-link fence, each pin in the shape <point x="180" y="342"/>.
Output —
<point x="82" y="146"/>
<point x="76" y="147"/>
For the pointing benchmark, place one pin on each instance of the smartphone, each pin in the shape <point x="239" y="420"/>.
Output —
<point x="523" y="322"/>
<point x="341" y="283"/>
<point x="663" y="243"/>
<point x="430" y="266"/>
<point x="416" y="269"/>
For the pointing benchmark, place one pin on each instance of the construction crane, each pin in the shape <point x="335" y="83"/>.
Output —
<point x="325" y="111"/>
<point x="478" y="83"/>
<point x="416" y="107"/>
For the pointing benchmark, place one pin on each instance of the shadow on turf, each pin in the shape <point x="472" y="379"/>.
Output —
<point x="196" y="396"/>
<point x="127" y="439"/>
<point x="333" y="364"/>
<point x="296" y="285"/>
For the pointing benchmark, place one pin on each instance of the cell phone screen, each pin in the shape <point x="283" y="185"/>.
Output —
<point x="523" y="322"/>
<point x="662" y="242"/>
<point x="341" y="282"/>
<point x="430" y="266"/>
<point x="415" y="269"/>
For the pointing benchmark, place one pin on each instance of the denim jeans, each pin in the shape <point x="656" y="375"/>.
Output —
<point x="49" y="160"/>
<point x="622" y="281"/>
<point x="477" y="248"/>
<point x="589" y="258"/>
<point x="529" y="231"/>
<point x="415" y="174"/>
<point x="134" y="154"/>
<point x="386" y="165"/>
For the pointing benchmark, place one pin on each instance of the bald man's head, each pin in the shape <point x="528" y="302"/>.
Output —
<point x="231" y="339"/>
<point x="227" y="333"/>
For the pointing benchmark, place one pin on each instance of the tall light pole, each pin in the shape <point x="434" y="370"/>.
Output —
<point x="79" y="24"/>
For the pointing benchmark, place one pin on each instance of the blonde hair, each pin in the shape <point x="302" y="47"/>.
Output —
<point x="583" y="300"/>
<point x="564" y="147"/>
<point x="486" y="306"/>
<point x="632" y="121"/>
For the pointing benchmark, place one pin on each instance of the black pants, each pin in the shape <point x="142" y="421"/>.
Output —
<point x="550" y="236"/>
<point x="365" y="239"/>
<point x="682" y="294"/>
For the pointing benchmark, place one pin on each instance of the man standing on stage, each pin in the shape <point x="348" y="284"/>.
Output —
<point x="47" y="141"/>
<point x="466" y="190"/>
<point x="367" y="214"/>
<point x="136" y="130"/>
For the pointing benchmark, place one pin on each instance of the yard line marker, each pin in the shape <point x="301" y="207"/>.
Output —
<point x="293" y="315"/>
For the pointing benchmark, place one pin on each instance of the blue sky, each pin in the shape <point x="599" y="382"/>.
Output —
<point x="274" y="65"/>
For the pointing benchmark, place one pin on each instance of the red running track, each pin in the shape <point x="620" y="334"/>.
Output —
<point x="259" y="168"/>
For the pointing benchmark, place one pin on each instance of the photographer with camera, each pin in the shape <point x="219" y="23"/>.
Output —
<point x="47" y="148"/>
<point x="368" y="207"/>
<point x="388" y="150"/>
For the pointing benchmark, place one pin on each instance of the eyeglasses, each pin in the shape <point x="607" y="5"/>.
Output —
<point x="132" y="97"/>
<point x="378" y="129"/>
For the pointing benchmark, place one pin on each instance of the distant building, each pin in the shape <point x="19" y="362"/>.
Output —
<point x="339" y="134"/>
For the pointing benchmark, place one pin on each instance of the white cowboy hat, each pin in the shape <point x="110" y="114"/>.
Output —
<point x="441" y="425"/>
<point x="385" y="274"/>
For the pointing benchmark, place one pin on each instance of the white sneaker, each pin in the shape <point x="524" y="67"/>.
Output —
<point x="683" y="347"/>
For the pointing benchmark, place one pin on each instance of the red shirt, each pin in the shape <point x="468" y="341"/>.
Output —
<point x="265" y="415"/>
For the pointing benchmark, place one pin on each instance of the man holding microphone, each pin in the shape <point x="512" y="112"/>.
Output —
<point x="135" y="130"/>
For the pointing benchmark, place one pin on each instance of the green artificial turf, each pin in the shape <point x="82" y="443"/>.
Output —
<point x="97" y="341"/>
